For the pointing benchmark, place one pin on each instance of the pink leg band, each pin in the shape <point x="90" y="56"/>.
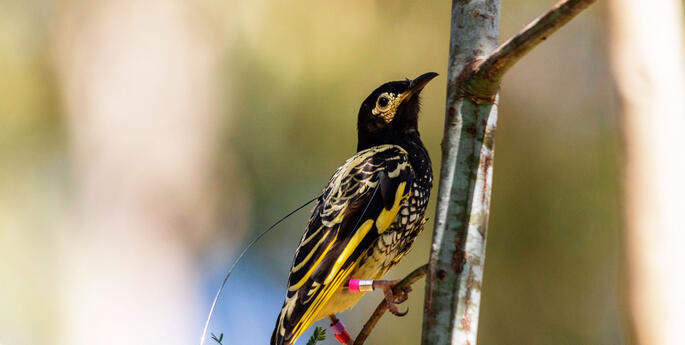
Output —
<point x="340" y="332"/>
<point x="354" y="285"/>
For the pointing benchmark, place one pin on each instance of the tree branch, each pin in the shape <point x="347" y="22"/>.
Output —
<point x="486" y="75"/>
<point x="455" y="269"/>
<point x="452" y="299"/>
<point x="476" y="67"/>
<point x="410" y="279"/>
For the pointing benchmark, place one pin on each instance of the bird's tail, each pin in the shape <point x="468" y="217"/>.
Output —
<point x="279" y="335"/>
<point x="286" y="323"/>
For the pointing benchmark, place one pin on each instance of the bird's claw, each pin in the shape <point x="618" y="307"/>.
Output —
<point x="403" y="296"/>
<point x="391" y="298"/>
<point x="395" y="311"/>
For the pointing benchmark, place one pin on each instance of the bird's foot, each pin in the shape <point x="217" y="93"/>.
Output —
<point x="391" y="298"/>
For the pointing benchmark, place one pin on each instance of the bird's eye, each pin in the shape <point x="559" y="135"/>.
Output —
<point x="383" y="101"/>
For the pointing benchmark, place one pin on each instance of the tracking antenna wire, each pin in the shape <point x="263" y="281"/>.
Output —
<point x="235" y="263"/>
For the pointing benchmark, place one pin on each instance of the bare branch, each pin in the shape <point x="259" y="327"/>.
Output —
<point x="452" y="300"/>
<point x="487" y="74"/>
<point x="476" y="66"/>
<point x="410" y="279"/>
<point x="455" y="270"/>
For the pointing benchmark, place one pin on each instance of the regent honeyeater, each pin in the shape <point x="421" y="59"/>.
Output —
<point x="368" y="215"/>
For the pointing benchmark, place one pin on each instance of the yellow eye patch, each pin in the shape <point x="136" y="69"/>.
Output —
<point x="386" y="106"/>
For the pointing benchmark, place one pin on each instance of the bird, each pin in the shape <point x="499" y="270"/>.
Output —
<point x="368" y="215"/>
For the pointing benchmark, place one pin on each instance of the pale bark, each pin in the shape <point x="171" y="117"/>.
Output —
<point x="455" y="272"/>
<point x="646" y="52"/>
<point x="456" y="263"/>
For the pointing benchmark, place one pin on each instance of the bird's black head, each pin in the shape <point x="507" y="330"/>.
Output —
<point x="390" y="112"/>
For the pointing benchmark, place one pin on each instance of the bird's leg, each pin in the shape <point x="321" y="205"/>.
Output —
<point x="339" y="331"/>
<point x="391" y="298"/>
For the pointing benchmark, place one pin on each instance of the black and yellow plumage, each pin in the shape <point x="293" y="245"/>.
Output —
<point x="368" y="215"/>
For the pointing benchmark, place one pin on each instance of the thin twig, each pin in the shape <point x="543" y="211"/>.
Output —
<point x="410" y="279"/>
<point x="487" y="74"/>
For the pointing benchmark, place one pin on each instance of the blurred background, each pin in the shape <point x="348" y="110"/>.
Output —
<point x="142" y="144"/>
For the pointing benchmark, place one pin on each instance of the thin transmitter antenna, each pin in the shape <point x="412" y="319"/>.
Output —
<point x="235" y="263"/>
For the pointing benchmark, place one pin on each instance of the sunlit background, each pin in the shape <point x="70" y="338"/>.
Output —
<point x="143" y="143"/>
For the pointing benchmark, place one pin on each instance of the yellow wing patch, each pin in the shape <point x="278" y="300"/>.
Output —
<point x="351" y="181"/>
<point x="386" y="217"/>
<point x="311" y="253"/>
<point x="325" y="295"/>
<point x="349" y="248"/>
<point x="336" y="277"/>
<point x="299" y="284"/>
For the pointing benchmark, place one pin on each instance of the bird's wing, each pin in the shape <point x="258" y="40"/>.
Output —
<point x="359" y="203"/>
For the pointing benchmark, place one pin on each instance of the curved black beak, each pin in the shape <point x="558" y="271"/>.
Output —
<point x="417" y="85"/>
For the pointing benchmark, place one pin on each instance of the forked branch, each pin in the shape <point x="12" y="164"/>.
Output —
<point x="476" y="67"/>
<point x="484" y="79"/>
<point x="474" y="27"/>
